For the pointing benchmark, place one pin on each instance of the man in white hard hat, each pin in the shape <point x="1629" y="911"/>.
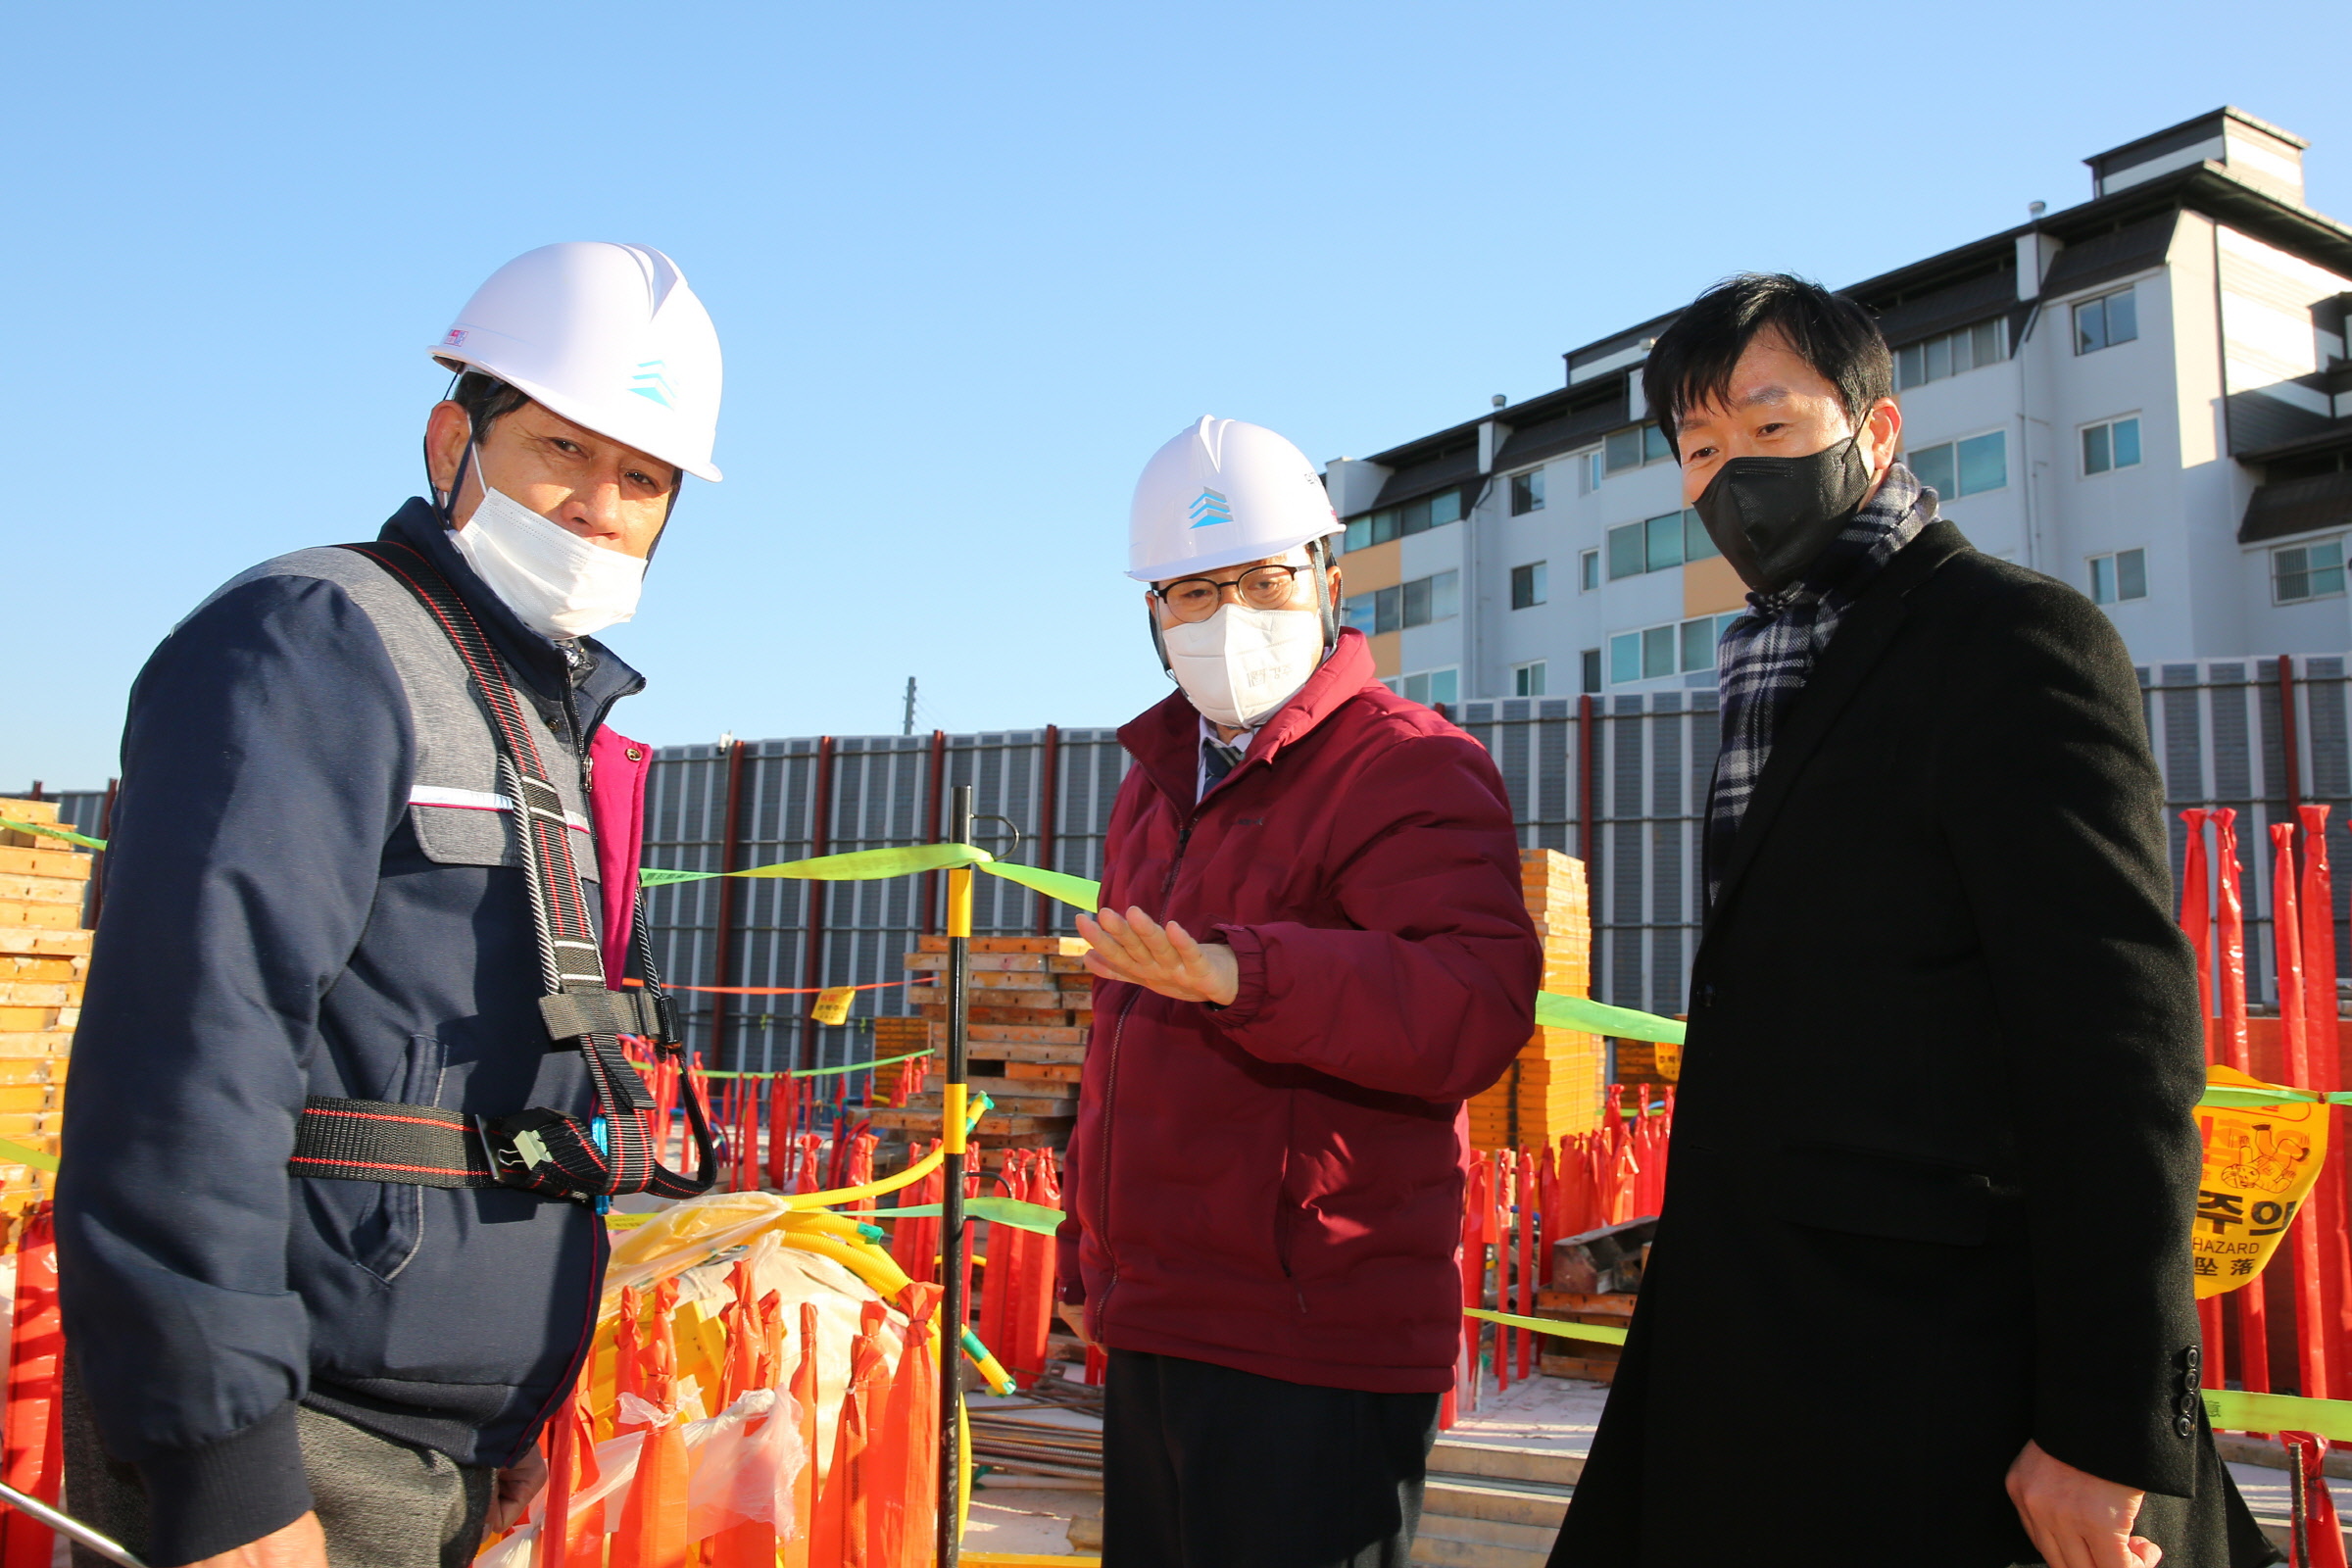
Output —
<point x="321" y="1291"/>
<point x="1311" y="950"/>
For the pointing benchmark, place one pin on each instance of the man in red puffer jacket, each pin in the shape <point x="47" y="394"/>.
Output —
<point x="1311" y="950"/>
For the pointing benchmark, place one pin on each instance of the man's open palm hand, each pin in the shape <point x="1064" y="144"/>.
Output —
<point x="1140" y="951"/>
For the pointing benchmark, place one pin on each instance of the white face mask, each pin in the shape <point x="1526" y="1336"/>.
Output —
<point x="1240" y="664"/>
<point x="558" y="582"/>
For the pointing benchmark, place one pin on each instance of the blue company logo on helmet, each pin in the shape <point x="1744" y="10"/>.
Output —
<point x="652" y="382"/>
<point x="1210" y="508"/>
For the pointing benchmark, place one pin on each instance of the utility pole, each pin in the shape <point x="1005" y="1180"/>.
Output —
<point x="908" y="727"/>
<point x="955" y="1239"/>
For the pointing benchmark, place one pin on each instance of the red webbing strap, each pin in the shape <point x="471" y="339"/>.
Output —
<point x="381" y="1140"/>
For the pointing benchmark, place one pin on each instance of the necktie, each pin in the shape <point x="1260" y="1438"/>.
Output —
<point x="1217" y="760"/>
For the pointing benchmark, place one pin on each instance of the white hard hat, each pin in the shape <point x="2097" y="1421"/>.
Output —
<point x="609" y="336"/>
<point x="1222" y="493"/>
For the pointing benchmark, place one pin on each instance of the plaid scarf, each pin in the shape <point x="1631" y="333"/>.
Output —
<point x="1769" y="653"/>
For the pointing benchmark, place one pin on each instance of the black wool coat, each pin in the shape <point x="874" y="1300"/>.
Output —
<point x="1935" y="1162"/>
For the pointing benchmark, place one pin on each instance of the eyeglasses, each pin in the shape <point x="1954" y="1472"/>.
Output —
<point x="1260" y="588"/>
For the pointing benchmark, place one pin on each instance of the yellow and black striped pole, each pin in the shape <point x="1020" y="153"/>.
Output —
<point x="955" y="1241"/>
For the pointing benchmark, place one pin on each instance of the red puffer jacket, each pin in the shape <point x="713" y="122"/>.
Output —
<point x="1276" y="1186"/>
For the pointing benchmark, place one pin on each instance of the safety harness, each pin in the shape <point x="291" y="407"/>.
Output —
<point x="539" y="1150"/>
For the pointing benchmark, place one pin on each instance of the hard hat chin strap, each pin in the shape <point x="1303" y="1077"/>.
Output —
<point x="1318" y="560"/>
<point x="445" y="502"/>
<point x="1158" y="647"/>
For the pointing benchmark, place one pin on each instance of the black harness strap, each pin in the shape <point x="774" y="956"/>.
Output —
<point x="540" y="1151"/>
<point x="379" y="1141"/>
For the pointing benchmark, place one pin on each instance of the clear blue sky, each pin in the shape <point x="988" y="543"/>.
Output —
<point x="970" y="265"/>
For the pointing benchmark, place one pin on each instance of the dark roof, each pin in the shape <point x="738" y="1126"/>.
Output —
<point x="2206" y="187"/>
<point x="1541" y="428"/>
<point x="2188" y="134"/>
<point x="1600" y="409"/>
<point x="2336" y="436"/>
<point x="1441" y="469"/>
<point x="2297" y="505"/>
<point x="1617" y="342"/>
<point x="1992" y="292"/>
<point x="2128" y="248"/>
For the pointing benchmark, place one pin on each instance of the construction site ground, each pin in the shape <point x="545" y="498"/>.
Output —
<point x="1473" y="1517"/>
<point x="1499" y="1479"/>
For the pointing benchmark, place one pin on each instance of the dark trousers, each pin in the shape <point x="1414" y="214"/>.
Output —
<point x="381" y="1503"/>
<point x="1206" y="1468"/>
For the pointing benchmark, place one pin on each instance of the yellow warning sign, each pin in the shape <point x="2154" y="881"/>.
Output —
<point x="833" y="1004"/>
<point x="2260" y="1162"/>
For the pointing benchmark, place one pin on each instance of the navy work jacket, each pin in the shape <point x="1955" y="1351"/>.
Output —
<point x="271" y="930"/>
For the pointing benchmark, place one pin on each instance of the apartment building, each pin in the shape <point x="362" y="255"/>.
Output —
<point x="2145" y="395"/>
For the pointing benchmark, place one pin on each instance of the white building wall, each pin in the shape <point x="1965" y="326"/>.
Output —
<point x="2221" y="304"/>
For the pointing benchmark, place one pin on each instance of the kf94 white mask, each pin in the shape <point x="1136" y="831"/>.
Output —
<point x="1240" y="664"/>
<point x="559" y="583"/>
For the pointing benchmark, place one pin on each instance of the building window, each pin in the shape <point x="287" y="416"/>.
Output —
<point x="1417" y="601"/>
<point x="1395" y="523"/>
<point x="1526" y="492"/>
<point x="2120" y="577"/>
<point x="1698" y="543"/>
<point x="1951" y="353"/>
<point x="1699" y="644"/>
<point x="1382" y="609"/>
<point x="2113" y="444"/>
<point x="1627" y="556"/>
<point x="1658" y="542"/>
<point x="1684" y="647"/>
<point x="1631" y="449"/>
<point x="1409" y="604"/>
<point x="1527" y="680"/>
<point x="1591" y="659"/>
<point x="1641" y="655"/>
<point x="1527" y="585"/>
<point x="1444" y="598"/>
<point x="1962" y="467"/>
<point x="2307" y="572"/>
<point x="1593" y="470"/>
<point x="1431" y="687"/>
<point x="2105" y="321"/>
<point x="1587" y="571"/>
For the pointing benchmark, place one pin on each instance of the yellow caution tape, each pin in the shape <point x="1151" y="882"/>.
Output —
<point x="55" y="832"/>
<point x="11" y="1149"/>
<point x="1549" y="1325"/>
<point x="2278" y="1412"/>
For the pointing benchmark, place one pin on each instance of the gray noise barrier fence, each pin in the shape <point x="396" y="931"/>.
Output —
<point x="1618" y="780"/>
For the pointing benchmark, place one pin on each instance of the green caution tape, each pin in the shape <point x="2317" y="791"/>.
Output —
<point x="10" y="1149"/>
<point x="2278" y="1412"/>
<point x="1549" y="1325"/>
<point x="812" y="1072"/>
<point x="996" y="1210"/>
<point x="860" y="866"/>
<point x="866" y="866"/>
<point x="1552" y="1009"/>
<point x="2269" y="1095"/>
<point x="1074" y="891"/>
<point x="68" y="834"/>
<point x="1557" y="1012"/>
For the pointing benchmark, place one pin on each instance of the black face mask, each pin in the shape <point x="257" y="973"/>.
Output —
<point x="1773" y="516"/>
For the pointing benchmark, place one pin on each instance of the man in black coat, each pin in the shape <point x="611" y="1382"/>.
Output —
<point x="1921" y="1289"/>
